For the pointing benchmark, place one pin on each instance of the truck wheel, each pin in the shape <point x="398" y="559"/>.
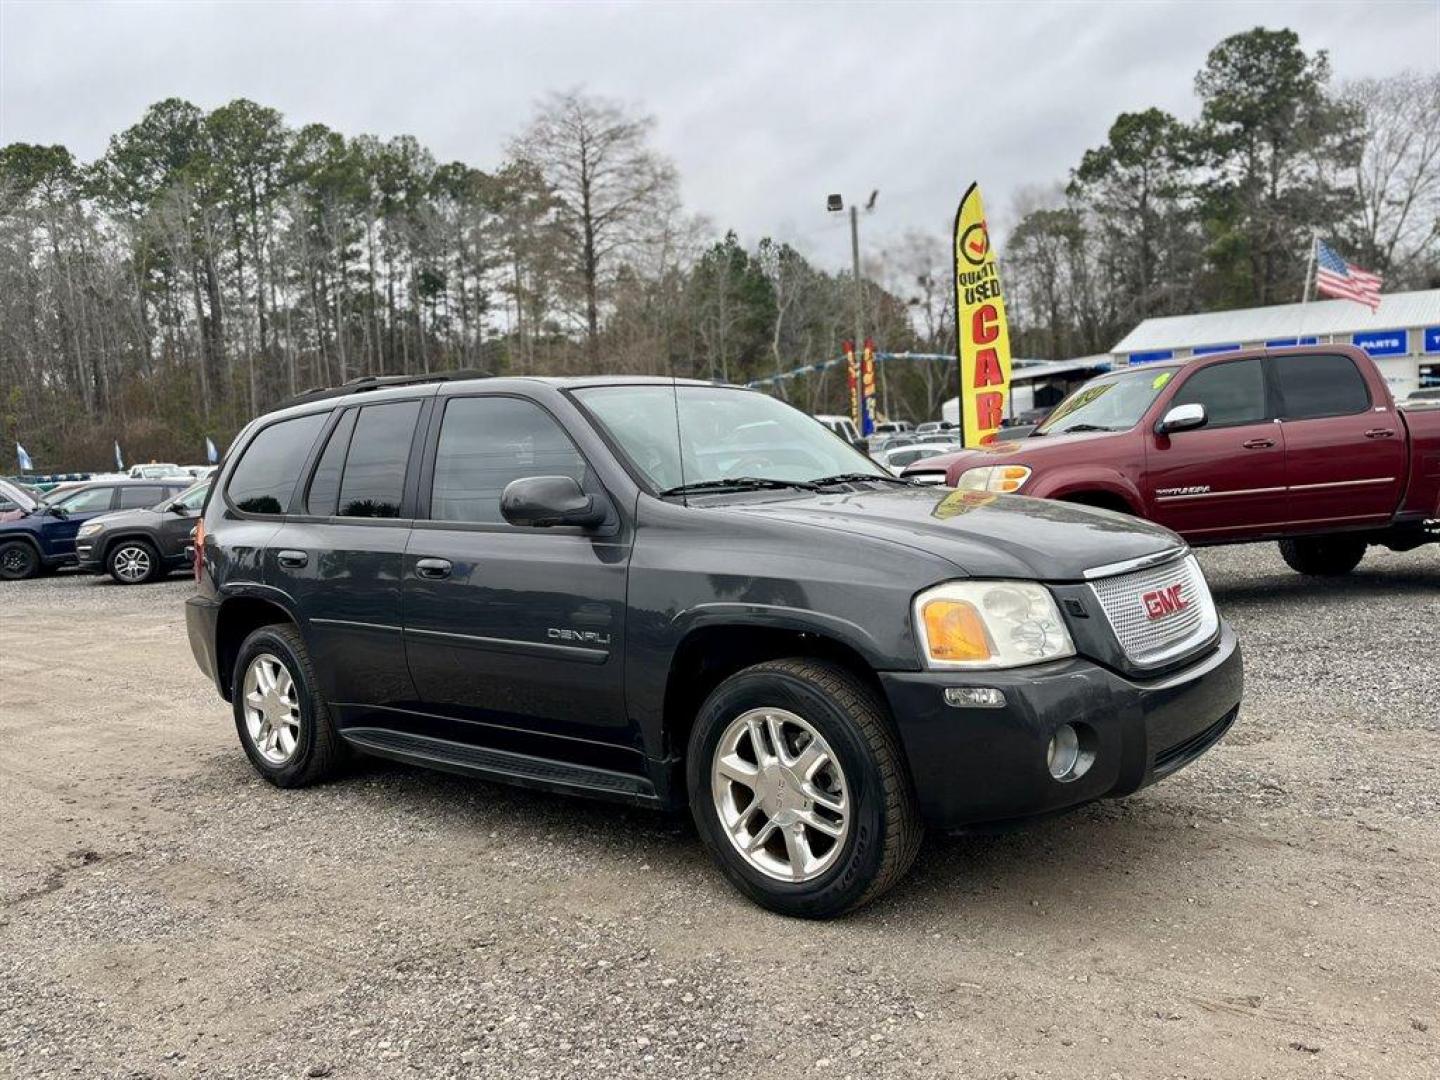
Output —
<point x="283" y="722"/>
<point x="133" y="562"/>
<point x="18" y="560"/>
<point x="1323" y="556"/>
<point x="799" y="789"/>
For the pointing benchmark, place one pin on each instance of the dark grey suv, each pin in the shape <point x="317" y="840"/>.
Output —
<point x="140" y="545"/>
<point x="678" y="594"/>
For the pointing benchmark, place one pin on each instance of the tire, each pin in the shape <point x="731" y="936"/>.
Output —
<point x="314" y="751"/>
<point x="18" y="561"/>
<point x="882" y="830"/>
<point x="1323" y="556"/>
<point x="133" y="562"/>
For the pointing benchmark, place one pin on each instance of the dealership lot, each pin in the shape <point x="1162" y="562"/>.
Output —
<point x="163" y="912"/>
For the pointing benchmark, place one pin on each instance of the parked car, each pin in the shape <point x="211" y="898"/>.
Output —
<point x="136" y="546"/>
<point x="587" y="586"/>
<point x="897" y="458"/>
<point x="45" y="537"/>
<point x="15" y="501"/>
<point x="200" y="472"/>
<point x="158" y="471"/>
<point x="842" y="426"/>
<point x="892" y="427"/>
<point x="936" y="427"/>
<point x="1301" y="446"/>
<point x="1430" y="394"/>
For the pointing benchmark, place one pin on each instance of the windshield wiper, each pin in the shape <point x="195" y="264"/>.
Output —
<point x="856" y="477"/>
<point x="738" y="483"/>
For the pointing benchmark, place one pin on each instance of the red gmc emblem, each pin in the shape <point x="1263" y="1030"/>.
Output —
<point x="1164" y="601"/>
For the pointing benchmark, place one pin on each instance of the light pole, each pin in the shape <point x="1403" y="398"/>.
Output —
<point x="835" y="203"/>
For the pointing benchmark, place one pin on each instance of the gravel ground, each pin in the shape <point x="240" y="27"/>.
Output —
<point x="1271" y="911"/>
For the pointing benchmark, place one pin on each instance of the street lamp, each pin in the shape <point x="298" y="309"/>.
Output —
<point x="835" y="203"/>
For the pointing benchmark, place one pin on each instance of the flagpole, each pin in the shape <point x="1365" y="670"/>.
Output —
<point x="1309" y="274"/>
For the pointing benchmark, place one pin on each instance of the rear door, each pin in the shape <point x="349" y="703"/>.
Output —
<point x="339" y="552"/>
<point x="515" y="635"/>
<point x="1225" y="477"/>
<point x="1345" y="452"/>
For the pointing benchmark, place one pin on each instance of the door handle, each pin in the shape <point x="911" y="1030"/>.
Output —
<point x="1379" y="433"/>
<point x="293" y="559"/>
<point x="433" y="568"/>
<point x="1258" y="444"/>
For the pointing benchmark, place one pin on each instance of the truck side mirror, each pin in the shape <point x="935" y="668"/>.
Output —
<point x="1182" y="418"/>
<point x="543" y="501"/>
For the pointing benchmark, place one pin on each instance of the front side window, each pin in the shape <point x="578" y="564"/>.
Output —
<point x="1232" y="393"/>
<point x="374" y="477"/>
<point x="194" y="499"/>
<point x="487" y="442"/>
<point x="1315" y="386"/>
<point x="83" y="502"/>
<point x="264" y="479"/>
<point x="723" y="433"/>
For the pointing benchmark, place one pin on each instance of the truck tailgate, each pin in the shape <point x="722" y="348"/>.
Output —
<point x="1422" y="428"/>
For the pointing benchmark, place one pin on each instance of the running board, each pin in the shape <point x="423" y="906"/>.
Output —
<point x="502" y="765"/>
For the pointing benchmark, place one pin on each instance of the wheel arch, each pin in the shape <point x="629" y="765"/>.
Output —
<point x="1101" y="490"/>
<point x="238" y="618"/>
<point x="130" y="534"/>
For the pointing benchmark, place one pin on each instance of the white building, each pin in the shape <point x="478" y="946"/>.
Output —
<point x="1402" y="335"/>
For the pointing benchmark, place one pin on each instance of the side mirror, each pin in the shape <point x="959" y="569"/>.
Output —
<point x="57" y="511"/>
<point x="544" y="501"/>
<point x="1182" y="418"/>
<point x="177" y="508"/>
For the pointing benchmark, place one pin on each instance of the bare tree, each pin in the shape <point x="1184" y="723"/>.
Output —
<point x="607" y="182"/>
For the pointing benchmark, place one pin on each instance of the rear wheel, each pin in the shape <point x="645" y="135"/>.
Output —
<point x="1323" y="556"/>
<point x="133" y="562"/>
<point x="799" y="789"/>
<point x="18" y="560"/>
<point x="283" y="723"/>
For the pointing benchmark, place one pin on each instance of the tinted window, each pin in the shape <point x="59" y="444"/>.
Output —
<point x="1320" y="386"/>
<point x="82" y="502"/>
<point x="325" y="484"/>
<point x="485" y="443"/>
<point x="374" y="477"/>
<point x="264" y="479"/>
<point x="1232" y="393"/>
<point x="132" y="498"/>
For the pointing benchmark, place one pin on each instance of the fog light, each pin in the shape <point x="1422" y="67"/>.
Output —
<point x="974" y="697"/>
<point x="1063" y="752"/>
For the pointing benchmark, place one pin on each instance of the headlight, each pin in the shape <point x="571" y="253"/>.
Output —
<point x="990" y="624"/>
<point x="994" y="478"/>
<point x="90" y="528"/>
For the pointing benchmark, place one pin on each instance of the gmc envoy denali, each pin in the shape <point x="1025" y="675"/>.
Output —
<point x="673" y="593"/>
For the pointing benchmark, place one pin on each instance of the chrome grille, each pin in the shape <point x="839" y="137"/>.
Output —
<point x="1150" y="627"/>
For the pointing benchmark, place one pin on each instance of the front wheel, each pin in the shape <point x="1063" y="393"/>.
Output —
<point x="133" y="562"/>
<point x="18" y="561"/>
<point x="1323" y="556"/>
<point x="799" y="789"/>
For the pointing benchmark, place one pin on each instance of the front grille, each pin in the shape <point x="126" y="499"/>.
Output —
<point x="1159" y="613"/>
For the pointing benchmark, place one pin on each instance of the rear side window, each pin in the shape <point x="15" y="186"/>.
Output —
<point x="134" y="497"/>
<point x="1313" y="386"/>
<point x="1232" y="393"/>
<point x="485" y="443"/>
<point x="264" y="479"/>
<point x="374" y="476"/>
<point x="324" y="494"/>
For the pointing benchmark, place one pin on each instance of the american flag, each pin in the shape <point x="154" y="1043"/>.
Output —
<point x="1336" y="277"/>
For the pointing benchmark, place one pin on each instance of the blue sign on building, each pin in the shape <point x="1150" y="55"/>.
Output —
<point x="1383" y="342"/>
<point x="1206" y="350"/>
<point x="1151" y="357"/>
<point x="1286" y="342"/>
<point x="1432" y="339"/>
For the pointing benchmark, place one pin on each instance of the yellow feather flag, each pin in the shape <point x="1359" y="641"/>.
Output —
<point x="983" y="336"/>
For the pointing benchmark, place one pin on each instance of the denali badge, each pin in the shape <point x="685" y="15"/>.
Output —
<point x="590" y="637"/>
<point x="1164" y="601"/>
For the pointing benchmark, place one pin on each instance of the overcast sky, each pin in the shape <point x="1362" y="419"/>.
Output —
<point x="765" y="108"/>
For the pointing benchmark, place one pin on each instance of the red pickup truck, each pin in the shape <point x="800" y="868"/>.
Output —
<point x="1303" y="446"/>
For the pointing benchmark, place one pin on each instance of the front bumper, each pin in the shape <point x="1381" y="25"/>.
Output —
<point x="87" y="556"/>
<point x="975" y="766"/>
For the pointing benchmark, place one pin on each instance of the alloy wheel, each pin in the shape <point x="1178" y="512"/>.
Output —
<point x="131" y="563"/>
<point x="272" y="709"/>
<point x="780" y="794"/>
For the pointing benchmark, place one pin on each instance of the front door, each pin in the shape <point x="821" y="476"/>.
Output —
<point x="1346" y="453"/>
<point x="1228" y="475"/>
<point x="78" y="507"/>
<point x="177" y="522"/>
<point x="515" y="635"/>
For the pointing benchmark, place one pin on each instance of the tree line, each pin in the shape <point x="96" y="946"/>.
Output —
<point x="210" y="264"/>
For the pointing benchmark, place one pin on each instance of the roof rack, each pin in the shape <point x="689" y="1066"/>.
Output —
<point x="365" y="383"/>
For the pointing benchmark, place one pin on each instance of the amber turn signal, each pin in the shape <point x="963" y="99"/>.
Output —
<point x="955" y="631"/>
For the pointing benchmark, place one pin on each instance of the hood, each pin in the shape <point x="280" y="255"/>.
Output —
<point x="126" y="517"/>
<point x="1029" y="451"/>
<point x="985" y="535"/>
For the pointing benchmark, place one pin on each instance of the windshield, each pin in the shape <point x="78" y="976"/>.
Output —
<point x="1109" y="403"/>
<point x="727" y="433"/>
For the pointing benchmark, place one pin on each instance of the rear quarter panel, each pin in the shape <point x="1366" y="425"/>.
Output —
<point x="1422" y="491"/>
